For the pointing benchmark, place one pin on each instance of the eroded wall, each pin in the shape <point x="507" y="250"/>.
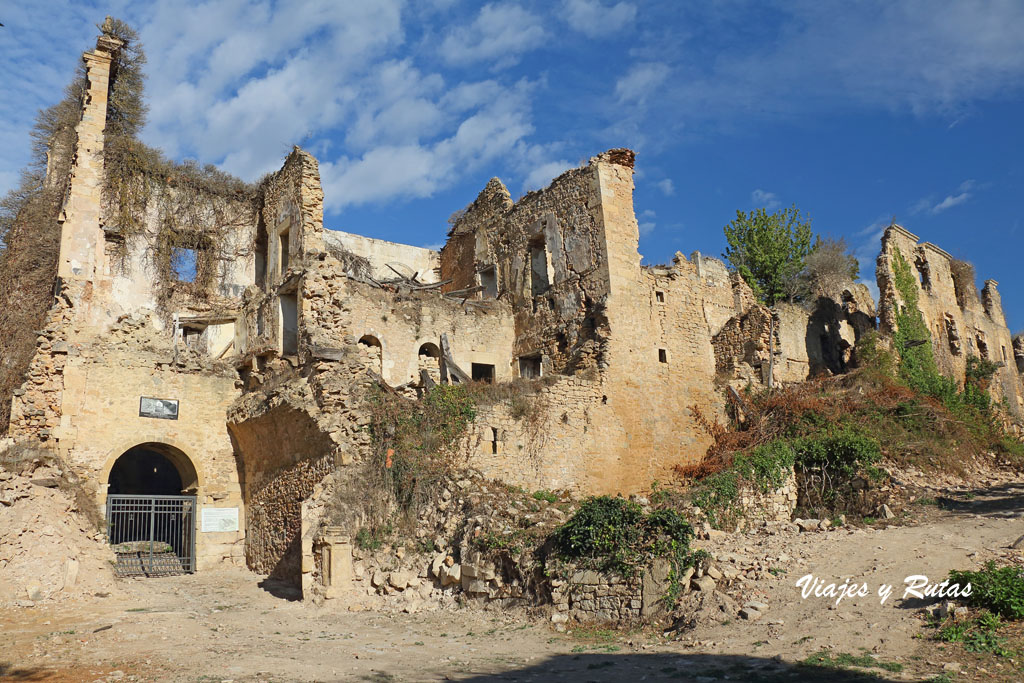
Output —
<point x="975" y="328"/>
<point x="408" y="260"/>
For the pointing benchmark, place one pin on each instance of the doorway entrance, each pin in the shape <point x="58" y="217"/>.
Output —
<point x="151" y="511"/>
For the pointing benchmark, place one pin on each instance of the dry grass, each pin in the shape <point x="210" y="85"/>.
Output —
<point x="912" y="429"/>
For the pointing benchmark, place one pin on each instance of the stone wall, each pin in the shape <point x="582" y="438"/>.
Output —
<point x="975" y="328"/>
<point x="424" y="263"/>
<point x="339" y="312"/>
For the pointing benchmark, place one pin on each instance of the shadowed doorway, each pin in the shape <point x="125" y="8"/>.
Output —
<point x="151" y="511"/>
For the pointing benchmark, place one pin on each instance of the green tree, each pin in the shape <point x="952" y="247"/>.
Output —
<point x="769" y="251"/>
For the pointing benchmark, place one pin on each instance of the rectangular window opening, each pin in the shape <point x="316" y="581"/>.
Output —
<point x="192" y="336"/>
<point x="662" y="356"/>
<point x="494" y="440"/>
<point x="482" y="372"/>
<point x="183" y="264"/>
<point x="659" y="297"/>
<point x="289" y="325"/>
<point x="529" y="367"/>
<point x="261" y="263"/>
<point x="284" y="251"/>
<point x="489" y="281"/>
<point x="539" y="279"/>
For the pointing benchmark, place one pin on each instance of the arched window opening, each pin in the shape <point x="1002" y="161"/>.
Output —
<point x="429" y="360"/>
<point x="371" y="352"/>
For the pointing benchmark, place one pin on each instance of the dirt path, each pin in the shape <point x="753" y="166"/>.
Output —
<point x="225" y="626"/>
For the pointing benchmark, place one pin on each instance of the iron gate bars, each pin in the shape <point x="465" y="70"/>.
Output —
<point x="152" y="535"/>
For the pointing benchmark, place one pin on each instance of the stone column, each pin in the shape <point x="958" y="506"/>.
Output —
<point x="81" y="242"/>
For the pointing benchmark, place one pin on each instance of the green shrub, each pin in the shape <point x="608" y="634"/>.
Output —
<point x="549" y="496"/>
<point x="977" y="635"/>
<point x="415" y="442"/>
<point x="997" y="589"/>
<point x="844" y="454"/>
<point x="615" y="535"/>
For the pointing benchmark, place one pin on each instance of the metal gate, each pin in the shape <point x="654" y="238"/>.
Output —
<point x="152" y="535"/>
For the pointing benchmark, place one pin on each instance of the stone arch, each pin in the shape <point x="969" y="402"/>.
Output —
<point x="152" y="468"/>
<point x="371" y="350"/>
<point x="428" y="358"/>
<point x="193" y="477"/>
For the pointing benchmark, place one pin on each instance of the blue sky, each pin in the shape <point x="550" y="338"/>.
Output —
<point x="853" y="111"/>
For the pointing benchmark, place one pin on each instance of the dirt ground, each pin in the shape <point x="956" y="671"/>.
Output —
<point x="231" y="625"/>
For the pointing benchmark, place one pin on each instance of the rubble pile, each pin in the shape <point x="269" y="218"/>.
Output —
<point x="49" y="551"/>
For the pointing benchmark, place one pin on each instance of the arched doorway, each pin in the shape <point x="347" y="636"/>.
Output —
<point x="153" y="469"/>
<point x="151" y="511"/>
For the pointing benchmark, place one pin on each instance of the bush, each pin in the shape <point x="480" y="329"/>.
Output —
<point x="415" y="442"/>
<point x="615" y="535"/>
<point x="997" y="589"/>
<point x="830" y="268"/>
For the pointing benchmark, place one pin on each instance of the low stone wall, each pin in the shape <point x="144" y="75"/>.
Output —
<point x="776" y="505"/>
<point x="594" y="596"/>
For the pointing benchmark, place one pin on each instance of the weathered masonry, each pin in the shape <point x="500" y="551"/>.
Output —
<point x="211" y="338"/>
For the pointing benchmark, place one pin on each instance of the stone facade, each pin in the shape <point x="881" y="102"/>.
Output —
<point x="962" y="325"/>
<point x="270" y="354"/>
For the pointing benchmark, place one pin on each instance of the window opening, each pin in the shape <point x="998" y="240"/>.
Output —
<point x="529" y="367"/>
<point x="374" y="351"/>
<point x="539" y="279"/>
<point x="489" y="281"/>
<point x="659" y="297"/>
<point x="429" y="359"/>
<point x="289" y="325"/>
<point x="482" y="372"/>
<point x="662" y="356"/>
<point x="982" y="348"/>
<point x="284" y="251"/>
<point x="261" y="263"/>
<point x="183" y="264"/>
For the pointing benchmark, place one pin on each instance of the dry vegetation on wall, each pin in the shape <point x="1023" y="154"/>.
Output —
<point x="836" y="432"/>
<point x="413" y="453"/>
<point x="30" y="239"/>
<point x="190" y="206"/>
<point x="964" y="278"/>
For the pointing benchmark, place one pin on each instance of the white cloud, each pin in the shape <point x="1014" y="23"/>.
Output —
<point x="500" y="33"/>
<point x="762" y="198"/>
<point x="594" y="19"/>
<point x="496" y="128"/>
<point x="950" y="201"/>
<point x="543" y="174"/>
<point x="666" y="186"/>
<point x="645" y="221"/>
<point x="964" y="193"/>
<point x="903" y="56"/>
<point x="640" y="82"/>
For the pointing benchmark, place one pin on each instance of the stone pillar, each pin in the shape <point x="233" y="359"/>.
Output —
<point x="336" y="562"/>
<point x="81" y="242"/>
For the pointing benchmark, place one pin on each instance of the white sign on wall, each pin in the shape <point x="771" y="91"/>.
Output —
<point x="220" y="519"/>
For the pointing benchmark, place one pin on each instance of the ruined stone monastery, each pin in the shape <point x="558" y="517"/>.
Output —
<point x="237" y="380"/>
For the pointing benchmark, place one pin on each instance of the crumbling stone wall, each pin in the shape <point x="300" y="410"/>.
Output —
<point x="382" y="255"/>
<point x="340" y="311"/>
<point x="975" y="328"/>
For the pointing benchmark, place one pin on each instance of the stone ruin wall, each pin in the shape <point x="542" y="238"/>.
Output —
<point x="627" y="350"/>
<point x="424" y="263"/>
<point x="564" y="324"/>
<point x="978" y="328"/>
